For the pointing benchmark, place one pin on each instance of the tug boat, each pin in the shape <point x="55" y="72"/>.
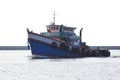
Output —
<point x="61" y="42"/>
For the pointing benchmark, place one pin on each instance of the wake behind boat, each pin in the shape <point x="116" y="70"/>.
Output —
<point x="61" y="41"/>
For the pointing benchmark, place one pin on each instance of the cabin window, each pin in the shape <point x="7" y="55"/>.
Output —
<point x="51" y="28"/>
<point x="56" y="28"/>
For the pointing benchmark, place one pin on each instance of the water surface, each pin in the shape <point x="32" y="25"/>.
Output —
<point x="19" y="65"/>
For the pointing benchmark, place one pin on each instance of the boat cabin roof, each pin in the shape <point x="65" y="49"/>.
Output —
<point x="53" y="25"/>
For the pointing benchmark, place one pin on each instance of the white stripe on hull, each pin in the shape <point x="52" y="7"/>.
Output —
<point x="41" y="38"/>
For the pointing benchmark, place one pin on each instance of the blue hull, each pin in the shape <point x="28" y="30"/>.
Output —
<point x="42" y="49"/>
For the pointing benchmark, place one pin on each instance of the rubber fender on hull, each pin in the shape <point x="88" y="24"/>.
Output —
<point x="54" y="44"/>
<point x="88" y="54"/>
<point x="62" y="45"/>
<point x="105" y="53"/>
<point x="67" y="48"/>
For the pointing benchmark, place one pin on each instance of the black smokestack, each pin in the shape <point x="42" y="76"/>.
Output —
<point x="81" y="35"/>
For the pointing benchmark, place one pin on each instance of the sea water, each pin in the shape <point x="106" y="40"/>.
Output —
<point x="19" y="65"/>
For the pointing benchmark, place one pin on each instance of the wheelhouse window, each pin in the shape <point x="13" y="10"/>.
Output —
<point x="56" y="28"/>
<point x="51" y="28"/>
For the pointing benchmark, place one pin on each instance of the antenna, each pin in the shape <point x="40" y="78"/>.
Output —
<point x="54" y="18"/>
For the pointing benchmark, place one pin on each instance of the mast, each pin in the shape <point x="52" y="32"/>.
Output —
<point x="54" y="18"/>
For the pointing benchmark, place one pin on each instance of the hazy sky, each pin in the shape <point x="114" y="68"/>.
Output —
<point x="100" y="19"/>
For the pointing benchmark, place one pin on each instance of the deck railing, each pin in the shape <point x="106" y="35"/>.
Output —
<point x="59" y="34"/>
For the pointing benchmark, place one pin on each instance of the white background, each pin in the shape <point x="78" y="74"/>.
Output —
<point x="100" y="19"/>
